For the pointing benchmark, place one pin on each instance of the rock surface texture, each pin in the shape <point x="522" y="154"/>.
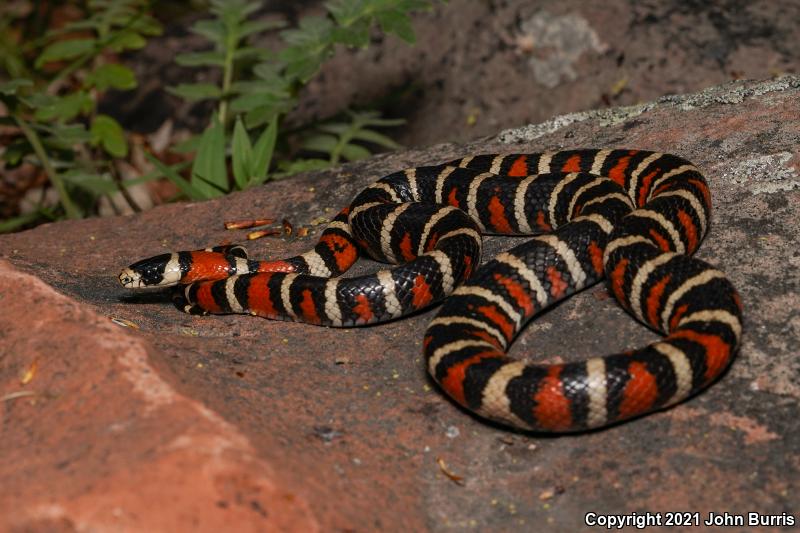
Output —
<point x="205" y="423"/>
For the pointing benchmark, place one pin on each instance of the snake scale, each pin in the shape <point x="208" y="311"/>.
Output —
<point x="633" y="217"/>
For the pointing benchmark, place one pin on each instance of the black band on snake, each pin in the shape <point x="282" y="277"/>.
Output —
<point x="634" y="217"/>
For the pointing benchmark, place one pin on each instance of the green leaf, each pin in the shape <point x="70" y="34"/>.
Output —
<point x="153" y="175"/>
<point x="336" y="128"/>
<point x="14" y="152"/>
<point x="321" y="143"/>
<point x="397" y="22"/>
<point x="111" y="75"/>
<point x="209" y="163"/>
<point x="107" y="133"/>
<point x="376" y="138"/>
<point x="263" y="151"/>
<point x="211" y="30"/>
<point x="301" y="65"/>
<point x="248" y="102"/>
<point x="74" y="26"/>
<point x="12" y="224"/>
<point x="218" y="190"/>
<point x="241" y="156"/>
<point x="268" y="71"/>
<point x="191" y="192"/>
<point x="196" y="91"/>
<point x="354" y="18"/>
<point x="311" y="31"/>
<point x="71" y="134"/>
<point x="251" y="53"/>
<point x="262" y="115"/>
<point x="67" y="49"/>
<point x="62" y="152"/>
<point x="63" y="107"/>
<point x="93" y="183"/>
<point x="309" y="46"/>
<point x="345" y="12"/>
<point x="275" y="88"/>
<point x="302" y="165"/>
<point x="126" y="40"/>
<point x="188" y="145"/>
<point x="236" y="9"/>
<point x="354" y="152"/>
<point x="212" y="58"/>
<point x="356" y="35"/>
<point x="256" y="26"/>
<point x="145" y="24"/>
<point x="10" y="87"/>
<point x="383" y="122"/>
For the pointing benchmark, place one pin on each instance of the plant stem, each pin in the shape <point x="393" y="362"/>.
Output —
<point x="344" y="139"/>
<point x="227" y="78"/>
<point x="69" y="208"/>
<point x="12" y="224"/>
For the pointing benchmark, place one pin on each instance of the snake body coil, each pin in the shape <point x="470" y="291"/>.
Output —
<point x="631" y="216"/>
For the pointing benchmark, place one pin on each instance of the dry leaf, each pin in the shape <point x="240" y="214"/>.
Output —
<point x="619" y="86"/>
<point x="124" y="323"/>
<point x="250" y="223"/>
<point x="19" y="394"/>
<point x="458" y="480"/>
<point x="30" y="373"/>
<point x="253" y="235"/>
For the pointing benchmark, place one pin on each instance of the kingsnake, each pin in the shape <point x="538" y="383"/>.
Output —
<point x="633" y="216"/>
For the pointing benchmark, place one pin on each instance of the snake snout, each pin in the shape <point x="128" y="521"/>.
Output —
<point x="129" y="279"/>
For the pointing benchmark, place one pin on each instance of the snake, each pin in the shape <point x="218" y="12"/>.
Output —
<point x="633" y="217"/>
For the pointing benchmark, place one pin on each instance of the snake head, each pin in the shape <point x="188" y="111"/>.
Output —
<point x="160" y="271"/>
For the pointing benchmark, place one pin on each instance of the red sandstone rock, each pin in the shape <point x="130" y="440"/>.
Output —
<point x="103" y="440"/>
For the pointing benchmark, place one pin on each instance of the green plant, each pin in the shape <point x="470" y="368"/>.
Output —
<point x="259" y="87"/>
<point x="229" y="32"/>
<point x="51" y="98"/>
<point x="337" y="139"/>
